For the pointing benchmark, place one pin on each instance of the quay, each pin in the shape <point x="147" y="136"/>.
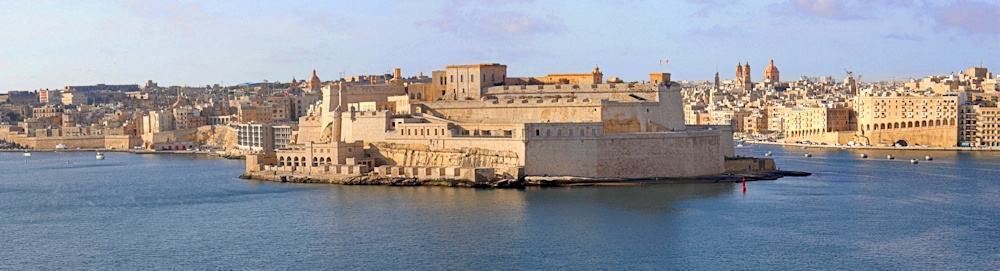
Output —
<point x="861" y="147"/>
<point x="737" y="170"/>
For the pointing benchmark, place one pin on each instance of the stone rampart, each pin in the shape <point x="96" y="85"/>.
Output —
<point x="631" y="155"/>
<point x="419" y="155"/>
<point x="73" y="142"/>
<point x="425" y="173"/>
<point x="582" y="89"/>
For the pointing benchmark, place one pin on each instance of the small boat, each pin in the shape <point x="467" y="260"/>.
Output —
<point x="864" y="155"/>
<point x="27" y="154"/>
<point x="890" y="157"/>
<point x="100" y="156"/>
<point x="61" y="146"/>
<point x="809" y="155"/>
<point x="913" y="161"/>
<point x="767" y="153"/>
<point x="928" y="158"/>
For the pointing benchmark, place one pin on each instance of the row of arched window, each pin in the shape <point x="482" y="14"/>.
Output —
<point x="908" y="124"/>
<point x="805" y="133"/>
<point x="302" y="161"/>
<point x="422" y="131"/>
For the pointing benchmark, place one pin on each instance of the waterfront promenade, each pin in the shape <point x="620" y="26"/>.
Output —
<point x="860" y="147"/>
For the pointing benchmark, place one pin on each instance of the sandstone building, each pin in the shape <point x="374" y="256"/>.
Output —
<point x="474" y="118"/>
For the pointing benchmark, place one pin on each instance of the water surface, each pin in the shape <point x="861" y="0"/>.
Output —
<point x="68" y="210"/>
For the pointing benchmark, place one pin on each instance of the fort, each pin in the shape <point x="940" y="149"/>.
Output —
<point x="490" y="131"/>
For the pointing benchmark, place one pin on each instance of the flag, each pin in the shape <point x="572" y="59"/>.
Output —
<point x="666" y="61"/>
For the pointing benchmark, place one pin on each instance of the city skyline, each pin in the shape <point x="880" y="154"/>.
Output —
<point x="191" y="43"/>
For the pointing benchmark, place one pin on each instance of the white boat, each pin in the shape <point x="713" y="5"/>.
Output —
<point x="100" y="156"/>
<point x="61" y="146"/>
<point x="27" y="154"/>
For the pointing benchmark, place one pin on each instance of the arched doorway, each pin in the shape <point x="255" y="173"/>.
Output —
<point x="901" y="142"/>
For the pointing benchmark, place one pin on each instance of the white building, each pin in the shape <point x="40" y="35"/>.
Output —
<point x="255" y="137"/>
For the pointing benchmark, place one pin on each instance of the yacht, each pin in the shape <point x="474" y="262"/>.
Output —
<point x="27" y="154"/>
<point x="100" y="156"/>
<point x="61" y="146"/>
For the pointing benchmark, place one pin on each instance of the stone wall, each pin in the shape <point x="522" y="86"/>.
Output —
<point x="633" y="155"/>
<point x="414" y="155"/>
<point x="361" y="125"/>
<point x="615" y="92"/>
<point x="828" y="138"/>
<point x="940" y="136"/>
<point x="212" y="135"/>
<point x="83" y="142"/>
<point x="750" y="164"/>
<point x="517" y="111"/>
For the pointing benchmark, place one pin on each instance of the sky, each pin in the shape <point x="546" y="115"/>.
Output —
<point x="51" y="44"/>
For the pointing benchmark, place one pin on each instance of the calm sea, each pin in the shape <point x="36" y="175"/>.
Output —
<point x="129" y="211"/>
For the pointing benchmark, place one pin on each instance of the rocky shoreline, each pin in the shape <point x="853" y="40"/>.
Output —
<point x="529" y="181"/>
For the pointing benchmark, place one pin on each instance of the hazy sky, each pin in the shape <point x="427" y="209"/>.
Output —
<point x="50" y="44"/>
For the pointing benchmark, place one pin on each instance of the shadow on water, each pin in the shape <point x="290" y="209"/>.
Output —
<point x="653" y="199"/>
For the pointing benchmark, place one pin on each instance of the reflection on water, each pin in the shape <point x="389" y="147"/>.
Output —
<point x="190" y="212"/>
<point x="654" y="199"/>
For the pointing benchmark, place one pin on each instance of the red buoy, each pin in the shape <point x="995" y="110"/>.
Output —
<point x="744" y="184"/>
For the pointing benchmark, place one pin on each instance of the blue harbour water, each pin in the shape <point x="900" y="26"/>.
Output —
<point x="130" y="211"/>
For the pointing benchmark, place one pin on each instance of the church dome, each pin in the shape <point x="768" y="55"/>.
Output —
<point x="314" y="82"/>
<point x="771" y="67"/>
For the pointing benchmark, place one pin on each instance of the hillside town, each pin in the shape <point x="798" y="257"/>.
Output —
<point x="469" y="120"/>
<point x="955" y="110"/>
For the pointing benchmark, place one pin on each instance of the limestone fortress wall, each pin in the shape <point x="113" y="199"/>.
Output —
<point x="615" y="130"/>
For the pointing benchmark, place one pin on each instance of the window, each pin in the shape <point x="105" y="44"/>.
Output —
<point x="472" y="78"/>
<point x="461" y="78"/>
<point x="452" y="78"/>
